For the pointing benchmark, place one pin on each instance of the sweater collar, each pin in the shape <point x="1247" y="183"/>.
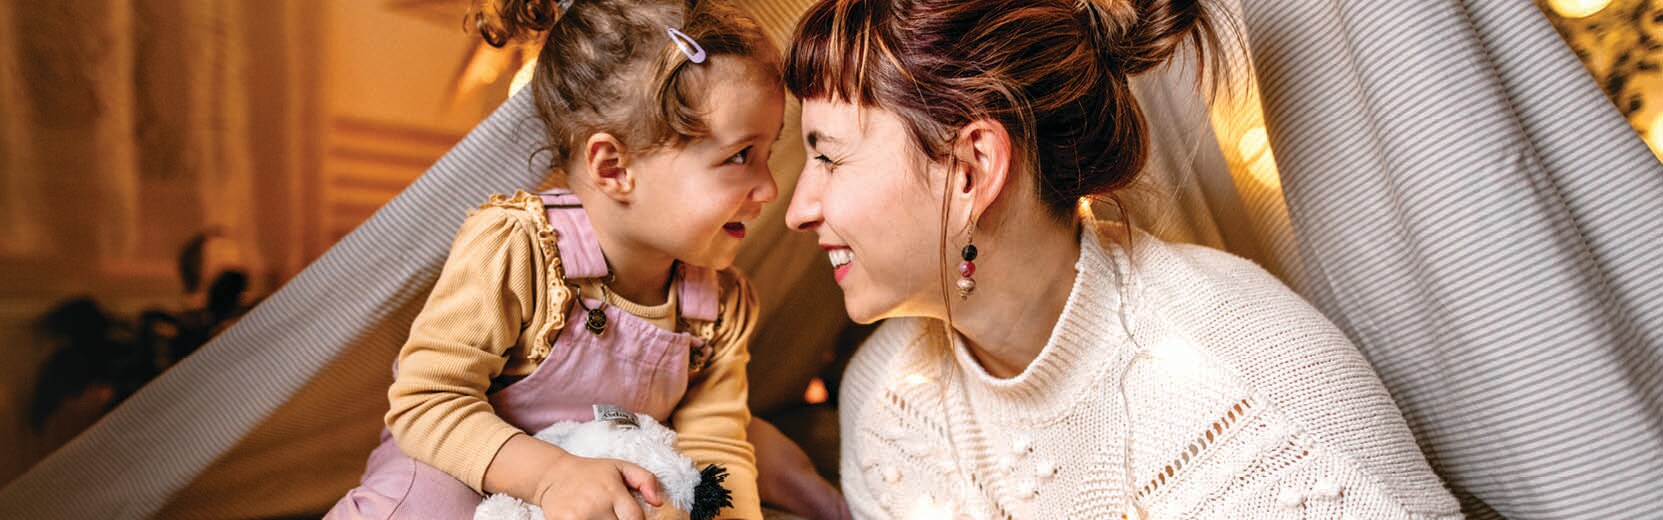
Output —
<point x="1087" y="338"/>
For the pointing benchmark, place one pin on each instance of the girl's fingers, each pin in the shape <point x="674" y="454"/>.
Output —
<point x="627" y="508"/>
<point x="642" y="481"/>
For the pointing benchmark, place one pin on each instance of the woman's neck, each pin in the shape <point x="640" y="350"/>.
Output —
<point x="1023" y="280"/>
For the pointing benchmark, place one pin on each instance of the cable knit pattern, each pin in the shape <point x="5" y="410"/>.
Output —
<point x="1201" y="387"/>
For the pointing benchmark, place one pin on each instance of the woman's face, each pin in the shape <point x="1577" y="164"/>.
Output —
<point x="875" y="202"/>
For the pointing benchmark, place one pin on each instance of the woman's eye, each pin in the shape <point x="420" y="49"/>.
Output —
<point x="826" y="161"/>
<point x="740" y="158"/>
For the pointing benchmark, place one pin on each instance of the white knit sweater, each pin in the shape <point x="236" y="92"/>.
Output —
<point x="1237" y="400"/>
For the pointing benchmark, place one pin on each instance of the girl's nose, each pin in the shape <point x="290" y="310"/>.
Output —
<point x="769" y="190"/>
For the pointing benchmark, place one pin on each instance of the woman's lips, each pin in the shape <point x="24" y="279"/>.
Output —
<point x="842" y="260"/>
<point x="734" y="229"/>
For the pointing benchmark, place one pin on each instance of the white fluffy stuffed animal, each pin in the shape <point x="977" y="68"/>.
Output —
<point x="636" y="438"/>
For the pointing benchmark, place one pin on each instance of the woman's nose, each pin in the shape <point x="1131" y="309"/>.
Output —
<point x="804" y="212"/>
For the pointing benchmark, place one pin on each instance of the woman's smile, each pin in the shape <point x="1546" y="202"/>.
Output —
<point x="842" y="260"/>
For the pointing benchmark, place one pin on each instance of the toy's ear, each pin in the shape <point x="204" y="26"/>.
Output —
<point x="710" y="496"/>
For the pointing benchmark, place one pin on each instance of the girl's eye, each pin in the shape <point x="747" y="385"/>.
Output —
<point x="740" y="158"/>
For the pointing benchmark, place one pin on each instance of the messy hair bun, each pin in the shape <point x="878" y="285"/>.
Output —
<point x="1137" y="35"/>
<point x="1053" y="72"/>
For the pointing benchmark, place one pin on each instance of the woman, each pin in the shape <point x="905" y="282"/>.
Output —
<point x="1043" y="365"/>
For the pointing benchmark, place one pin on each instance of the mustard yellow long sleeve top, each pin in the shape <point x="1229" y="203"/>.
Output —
<point x="496" y="306"/>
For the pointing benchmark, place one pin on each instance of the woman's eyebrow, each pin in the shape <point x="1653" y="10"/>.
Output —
<point x="815" y="137"/>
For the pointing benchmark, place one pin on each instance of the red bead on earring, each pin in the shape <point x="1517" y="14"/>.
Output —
<point x="967" y="268"/>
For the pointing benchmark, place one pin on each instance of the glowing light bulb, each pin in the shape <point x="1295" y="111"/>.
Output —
<point x="1577" y="8"/>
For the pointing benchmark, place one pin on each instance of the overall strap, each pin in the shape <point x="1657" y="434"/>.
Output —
<point x="700" y="292"/>
<point x="580" y="252"/>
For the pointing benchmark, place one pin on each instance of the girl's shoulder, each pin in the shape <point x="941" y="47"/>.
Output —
<point x="737" y="307"/>
<point x="521" y="215"/>
<point x="519" y="206"/>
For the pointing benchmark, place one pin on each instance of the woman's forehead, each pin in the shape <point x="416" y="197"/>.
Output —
<point x="839" y="123"/>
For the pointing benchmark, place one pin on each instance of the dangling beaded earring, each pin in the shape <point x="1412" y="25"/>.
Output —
<point x="967" y="268"/>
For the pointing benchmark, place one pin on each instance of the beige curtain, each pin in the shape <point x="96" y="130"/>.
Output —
<point x="128" y="127"/>
<point x="1478" y="217"/>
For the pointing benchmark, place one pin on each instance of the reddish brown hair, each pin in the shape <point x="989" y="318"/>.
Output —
<point x="600" y="58"/>
<point x="1053" y="72"/>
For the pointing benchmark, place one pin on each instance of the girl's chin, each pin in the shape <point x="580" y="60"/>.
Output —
<point x="716" y="257"/>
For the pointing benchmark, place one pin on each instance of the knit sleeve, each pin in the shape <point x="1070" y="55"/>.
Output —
<point x="711" y="420"/>
<point x="857" y="492"/>
<point x="439" y="413"/>
<point x="865" y="377"/>
<point x="1318" y="384"/>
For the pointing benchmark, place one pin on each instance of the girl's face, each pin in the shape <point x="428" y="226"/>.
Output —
<point x="877" y="215"/>
<point x="694" y="202"/>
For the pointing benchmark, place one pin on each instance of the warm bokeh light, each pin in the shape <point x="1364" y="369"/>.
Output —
<point x="816" y="392"/>
<point x="522" y="77"/>
<point x="1254" y="147"/>
<point x="1577" y="8"/>
<point x="1252" y="143"/>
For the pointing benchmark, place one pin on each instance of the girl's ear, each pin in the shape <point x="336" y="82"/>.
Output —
<point x="981" y="167"/>
<point x="608" y="162"/>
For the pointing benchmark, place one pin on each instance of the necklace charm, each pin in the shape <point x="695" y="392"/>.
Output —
<point x="597" y="321"/>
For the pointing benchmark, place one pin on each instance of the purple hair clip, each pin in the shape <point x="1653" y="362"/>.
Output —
<point x="688" y="45"/>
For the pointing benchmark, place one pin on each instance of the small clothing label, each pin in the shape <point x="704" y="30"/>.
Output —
<point x="617" y="415"/>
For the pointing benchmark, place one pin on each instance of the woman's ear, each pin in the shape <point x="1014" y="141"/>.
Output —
<point x="981" y="166"/>
<point x="608" y="162"/>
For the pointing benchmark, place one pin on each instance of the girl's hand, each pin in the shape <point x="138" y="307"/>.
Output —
<point x="786" y="478"/>
<point x="586" y="488"/>
<point x="567" y="486"/>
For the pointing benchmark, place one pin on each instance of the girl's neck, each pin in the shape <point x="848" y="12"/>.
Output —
<point x="640" y="274"/>
<point x="1023" y="280"/>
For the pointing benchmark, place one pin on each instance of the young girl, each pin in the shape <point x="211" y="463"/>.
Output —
<point x="615" y="289"/>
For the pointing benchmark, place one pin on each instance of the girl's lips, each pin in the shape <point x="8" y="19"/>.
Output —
<point x="734" y="229"/>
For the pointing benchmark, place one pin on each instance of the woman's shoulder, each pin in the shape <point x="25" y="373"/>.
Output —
<point x="1185" y="262"/>
<point x="1287" y="353"/>
<point x="1185" y="280"/>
